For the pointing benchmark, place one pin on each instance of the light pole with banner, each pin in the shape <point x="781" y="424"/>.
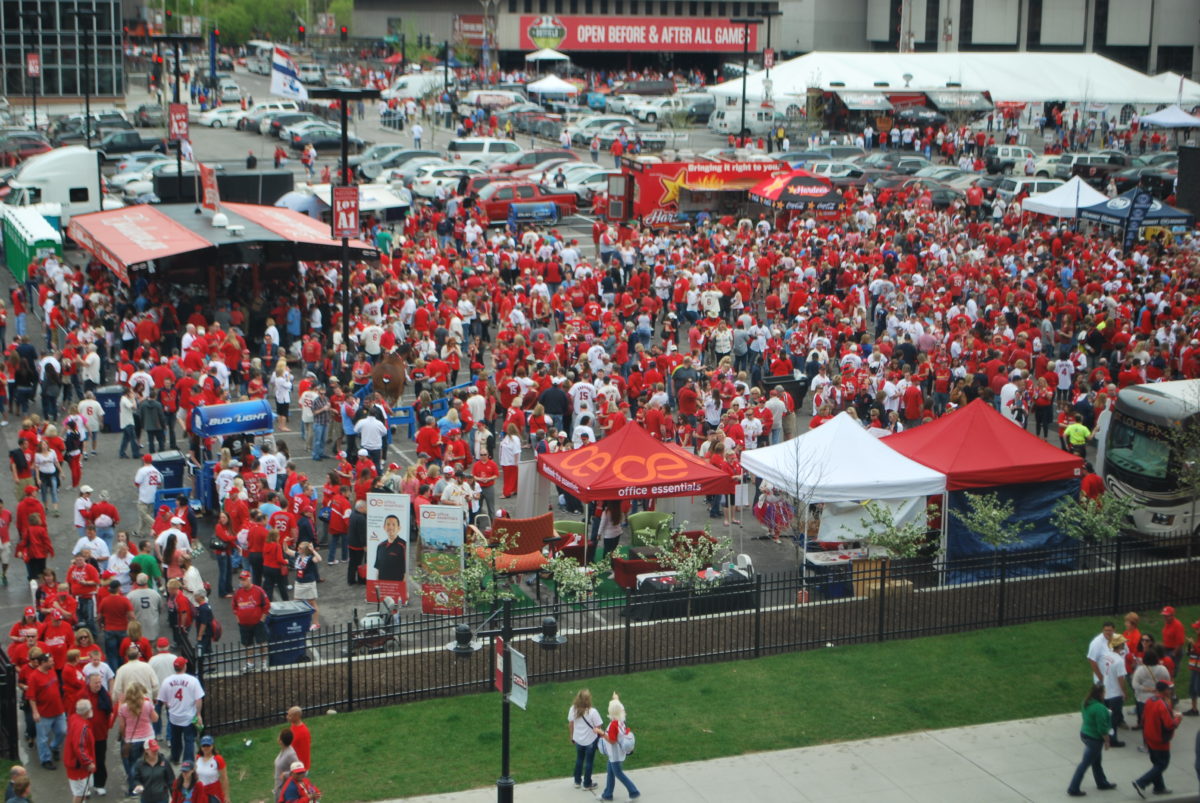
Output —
<point x="33" y="61"/>
<point x="85" y="20"/>
<point x="178" y="107"/>
<point x="345" y="96"/>
<point x="768" y="63"/>
<point x="745" y="22"/>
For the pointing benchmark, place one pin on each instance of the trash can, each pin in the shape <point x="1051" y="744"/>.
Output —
<point x="204" y="486"/>
<point x="797" y="385"/>
<point x="171" y="464"/>
<point x="287" y="625"/>
<point x="109" y="397"/>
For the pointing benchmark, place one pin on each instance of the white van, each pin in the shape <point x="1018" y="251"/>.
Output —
<point x="66" y="176"/>
<point x="310" y="73"/>
<point x="480" y="150"/>
<point x="415" y="85"/>
<point x="1013" y="186"/>
<point x="759" y="121"/>
<point x="229" y="92"/>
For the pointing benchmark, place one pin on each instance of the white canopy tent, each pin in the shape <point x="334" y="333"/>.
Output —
<point x="1021" y="78"/>
<point x="1171" y="117"/>
<point x="546" y="54"/>
<point x="1064" y="201"/>
<point x="552" y="85"/>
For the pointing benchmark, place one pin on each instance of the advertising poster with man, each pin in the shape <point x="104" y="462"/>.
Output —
<point x="441" y="528"/>
<point x="387" y="546"/>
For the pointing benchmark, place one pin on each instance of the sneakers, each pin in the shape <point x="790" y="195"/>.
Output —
<point x="578" y="785"/>
<point x="592" y="786"/>
<point x="247" y="668"/>
<point x="1138" y="789"/>
<point x="100" y="790"/>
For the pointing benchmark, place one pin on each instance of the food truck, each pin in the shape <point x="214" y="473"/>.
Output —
<point x="664" y="194"/>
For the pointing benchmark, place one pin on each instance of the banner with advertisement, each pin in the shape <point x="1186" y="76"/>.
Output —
<point x="388" y="517"/>
<point x="210" y="194"/>
<point x="641" y="34"/>
<point x="470" y="29"/>
<point x="441" y="530"/>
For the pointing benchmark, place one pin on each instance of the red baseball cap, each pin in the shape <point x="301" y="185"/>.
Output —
<point x="162" y="642"/>
<point x="180" y="662"/>
<point x="1168" y="611"/>
<point x="147" y="458"/>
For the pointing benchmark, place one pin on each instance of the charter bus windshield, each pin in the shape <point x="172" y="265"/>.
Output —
<point x="1143" y="453"/>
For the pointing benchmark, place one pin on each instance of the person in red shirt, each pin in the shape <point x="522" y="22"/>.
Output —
<point x="45" y="702"/>
<point x="84" y="582"/>
<point x="256" y="539"/>
<point x="1173" y="638"/>
<point x="485" y="471"/>
<point x="301" y="738"/>
<point x="339" y="525"/>
<point x="274" y="565"/>
<point x="58" y="637"/>
<point x="79" y="751"/>
<point x="115" y="613"/>
<point x="250" y="606"/>
<point x="1159" y="722"/>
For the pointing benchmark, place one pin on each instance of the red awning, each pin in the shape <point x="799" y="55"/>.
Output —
<point x="293" y="226"/>
<point x="125" y="238"/>
<point x="977" y="447"/>
<point x="629" y="464"/>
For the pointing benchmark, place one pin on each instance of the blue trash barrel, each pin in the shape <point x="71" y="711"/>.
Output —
<point x="171" y="464"/>
<point x="287" y="626"/>
<point x="109" y="397"/>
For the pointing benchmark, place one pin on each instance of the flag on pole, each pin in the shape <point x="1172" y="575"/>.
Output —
<point x="285" y="78"/>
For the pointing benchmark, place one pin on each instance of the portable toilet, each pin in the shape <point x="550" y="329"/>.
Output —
<point x="27" y="237"/>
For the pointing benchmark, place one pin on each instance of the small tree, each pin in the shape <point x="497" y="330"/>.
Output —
<point x="900" y="540"/>
<point x="691" y="557"/>
<point x="1098" y="520"/>
<point x="571" y="582"/>
<point x="991" y="520"/>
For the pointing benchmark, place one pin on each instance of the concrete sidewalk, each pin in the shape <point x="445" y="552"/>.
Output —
<point x="1021" y="760"/>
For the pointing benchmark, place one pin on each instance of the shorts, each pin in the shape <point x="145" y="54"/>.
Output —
<point x="81" y="787"/>
<point x="253" y="634"/>
<point x="281" y="409"/>
<point x="305" y="590"/>
<point x="6" y="553"/>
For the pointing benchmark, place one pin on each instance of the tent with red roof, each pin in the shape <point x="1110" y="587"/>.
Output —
<point x="981" y="451"/>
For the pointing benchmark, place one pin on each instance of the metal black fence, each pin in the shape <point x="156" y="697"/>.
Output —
<point x="373" y="662"/>
<point x="8" y="709"/>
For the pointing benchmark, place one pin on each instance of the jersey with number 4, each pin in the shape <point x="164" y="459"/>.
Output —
<point x="180" y="692"/>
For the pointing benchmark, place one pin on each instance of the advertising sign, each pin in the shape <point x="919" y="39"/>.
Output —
<point x="470" y="29"/>
<point x="520" y="680"/>
<point x="237" y="418"/>
<point x="344" y="220"/>
<point x="642" y="34"/>
<point x="177" y="117"/>
<point x="387" y="546"/>
<point x="441" y="529"/>
<point x="1142" y="202"/>
<point x="659" y="187"/>
<point x="33" y="65"/>
<point x="210" y="194"/>
<point x="769" y="58"/>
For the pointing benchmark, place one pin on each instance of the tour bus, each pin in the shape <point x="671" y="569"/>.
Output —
<point x="258" y="56"/>
<point x="1140" y="454"/>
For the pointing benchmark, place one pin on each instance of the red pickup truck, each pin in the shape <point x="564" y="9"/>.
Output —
<point x="498" y="196"/>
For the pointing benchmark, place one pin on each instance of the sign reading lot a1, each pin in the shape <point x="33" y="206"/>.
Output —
<point x="33" y="65"/>
<point x="177" y="116"/>
<point x="675" y="35"/>
<point x="769" y="58"/>
<point x="345" y="212"/>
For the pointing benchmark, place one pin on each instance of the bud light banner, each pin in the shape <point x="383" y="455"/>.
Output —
<point x="441" y="529"/>
<point x="645" y="34"/>
<point x="239" y="418"/>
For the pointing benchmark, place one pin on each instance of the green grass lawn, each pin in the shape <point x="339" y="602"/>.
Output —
<point x="696" y="712"/>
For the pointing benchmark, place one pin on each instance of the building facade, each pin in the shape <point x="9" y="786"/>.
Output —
<point x="62" y="42"/>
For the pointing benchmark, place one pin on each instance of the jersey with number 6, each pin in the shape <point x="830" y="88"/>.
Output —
<point x="180" y="693"/>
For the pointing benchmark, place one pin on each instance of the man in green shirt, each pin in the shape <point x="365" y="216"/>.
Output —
<point x="145" y="562"/>
<point x="1077" y="435"/>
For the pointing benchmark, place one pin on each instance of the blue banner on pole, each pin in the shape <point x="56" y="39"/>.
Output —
<point x="1142" y="201"/>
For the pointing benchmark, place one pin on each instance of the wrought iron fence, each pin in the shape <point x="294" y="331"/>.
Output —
<point x="376" y="661"/>
<point x="8" y="709"/>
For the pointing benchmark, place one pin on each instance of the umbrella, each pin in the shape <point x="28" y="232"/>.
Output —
<point x="798" y="189"/>
<point x="395" y="58"/>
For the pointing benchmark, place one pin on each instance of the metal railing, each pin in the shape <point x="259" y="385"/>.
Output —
<point x="8" y="709"/>
<point x="373" y="662"/>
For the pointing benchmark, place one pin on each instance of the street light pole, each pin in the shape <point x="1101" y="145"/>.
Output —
<point x="344" y="96"/>
<point x="745" y="22"/>
<point x="769" y="15"/>
<point x="34" y="19"/>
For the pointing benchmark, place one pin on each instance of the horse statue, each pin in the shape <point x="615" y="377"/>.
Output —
<point x="390" y="375"/>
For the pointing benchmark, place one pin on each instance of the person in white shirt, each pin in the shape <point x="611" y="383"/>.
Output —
<point x="93" y="416"/>
<point x="281" y="387"/>
<point x="81" y="505"/>
<point x="225" y="478"/>
<point x="183" y="697"/>
<point x="148" y="481"/>
<point x="271" y="465"/>
<point x="371" y="433"/>
<point x="90" y="541"/>
<point x="182" y="543"/>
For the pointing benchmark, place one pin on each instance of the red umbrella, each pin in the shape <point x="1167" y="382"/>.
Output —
<point x="395" y="58"/>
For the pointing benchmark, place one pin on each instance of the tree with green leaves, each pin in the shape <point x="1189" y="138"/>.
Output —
<point x="1100" y="520"/>
<point x="690" y="557"/>
<point x="572" y="582"/>
<point x="905" y="540"/>
<point x="991" y="520"/>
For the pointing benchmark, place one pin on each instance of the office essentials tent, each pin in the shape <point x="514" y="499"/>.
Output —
<point x="1064" y="201"/>
<point x="840" y="462"/>
<point x="552" y="85"/>
<point x="1171" y="117"/>
<point x="630" y="464"/>
<point x="983" y="452"/>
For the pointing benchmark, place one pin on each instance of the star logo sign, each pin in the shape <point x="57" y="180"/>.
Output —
<point x="672" y="187"/>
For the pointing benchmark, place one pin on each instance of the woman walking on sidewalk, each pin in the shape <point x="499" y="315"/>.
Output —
<point x="1097" y="722"/>
<point x="616" y="746"/>
<point x="583" y="721"/>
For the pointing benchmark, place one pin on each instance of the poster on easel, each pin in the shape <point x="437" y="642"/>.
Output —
<point x="387" y="546"/>
<point x="441" y="530"/>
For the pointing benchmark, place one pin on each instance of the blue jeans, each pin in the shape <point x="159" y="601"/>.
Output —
<point x="130" y="761"/>
<point x="615" y="773"/>
<point x="1093" y="749"/>
<point x="183" y="741"/>
<point x="318" y="447"/>
<point x="585" y="757"/>
<point x="129" y="437"/>
<point x="51" y="732"/>
<point x="336" y="540"/>
<point x="224" y="574"/>
<point x="1159" y="760"/>
<point x="107" y="535"/>
<point x="112" y="647"/>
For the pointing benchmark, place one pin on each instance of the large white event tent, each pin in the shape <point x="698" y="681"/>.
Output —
<point x="1007" y="77"/>
<point x="1065" y="200"/>
<point x="839" y="462"/>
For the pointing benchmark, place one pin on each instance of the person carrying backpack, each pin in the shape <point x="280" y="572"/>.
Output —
<point x="298" y="788"/>
<point x="617" y="742"/>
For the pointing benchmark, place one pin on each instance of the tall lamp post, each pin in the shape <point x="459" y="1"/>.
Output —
<point x="745" y="22"/>
<point x="177" y="40"/>
<point x="769" y="15"/>
<point x="85" y="20"/>
<point x="34" y="20"/>
<point x="345" y="95"/>
<point x="465" y="645"/>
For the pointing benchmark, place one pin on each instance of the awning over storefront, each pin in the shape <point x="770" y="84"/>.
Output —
<point x="958" y="100"/>
<point x="133" y="237"/>
<point x="865" y="101"/>
<point x="293" y="226"/>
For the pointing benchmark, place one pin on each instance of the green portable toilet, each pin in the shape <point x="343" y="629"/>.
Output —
<point x="27" y="237"/>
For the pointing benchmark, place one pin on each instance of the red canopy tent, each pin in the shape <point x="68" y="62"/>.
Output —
<point x="629" y="464"/>
<point x="977" y="447"/>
